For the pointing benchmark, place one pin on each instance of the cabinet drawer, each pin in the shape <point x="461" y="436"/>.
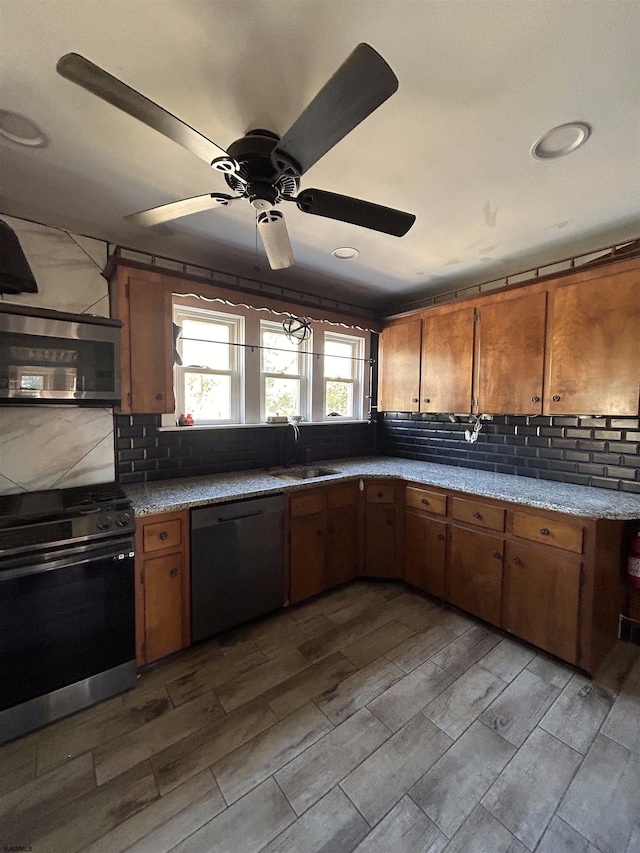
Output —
<point x="338" y="496"/>
<point x="308" y="503"/>
<point x="426" y="500"/>
<point x="157" y="537"/>
<point x="474" y="512"/>
<point x="380" y="493"/>
<point x="560" y="533"/>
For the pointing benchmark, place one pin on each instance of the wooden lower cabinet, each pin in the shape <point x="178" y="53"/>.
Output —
<point x="541" y="598"/>
<point x="323" y="539"/>
<point x="382" y="530"/>
<point x="425" y="553"/>
<point x="163" y="602"/>
<point x="475" y="573"/>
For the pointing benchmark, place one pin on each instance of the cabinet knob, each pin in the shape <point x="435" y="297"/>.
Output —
<point x="440" y="536"/>
<point x="425" y="501"/>
<point x="427" y="400"/>
<point x="516" y="561"/>
<point x="497" y="555"/>
<point x="414" y="400"/>
<point x="174" y="573"/>
<point x="379" y="494"/>
<point x="535" y="399"/>
<point x="477" y="515"/>
<point x="545" y="531"/>
<point x="556" y="398"/>
<point x="163" y="535"/>
<point x="159" y="396"/>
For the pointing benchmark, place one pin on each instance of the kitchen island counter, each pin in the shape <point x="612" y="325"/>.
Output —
<point x="585" y="501"/>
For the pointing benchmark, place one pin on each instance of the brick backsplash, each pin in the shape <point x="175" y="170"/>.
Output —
<point x="144" y="453"/>
<point x="602" y="452"/>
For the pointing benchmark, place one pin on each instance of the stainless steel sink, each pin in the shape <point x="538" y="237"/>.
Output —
<point x="303" y="473"/>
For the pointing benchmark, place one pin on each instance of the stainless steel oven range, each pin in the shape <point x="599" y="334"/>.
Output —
<point x="67" y="614"/>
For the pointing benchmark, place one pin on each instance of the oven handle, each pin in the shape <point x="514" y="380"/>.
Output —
<point x="117" y="551"/>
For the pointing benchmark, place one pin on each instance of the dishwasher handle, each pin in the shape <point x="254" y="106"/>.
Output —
<point x="212" y="516"/>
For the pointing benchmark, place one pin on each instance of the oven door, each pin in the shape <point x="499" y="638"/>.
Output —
<point x="64" y="618"/>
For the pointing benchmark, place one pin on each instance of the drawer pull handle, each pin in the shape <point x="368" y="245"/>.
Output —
<point x="545" y="531"/>
<point x="497" y="555"/>
<point x="159" y="396"/>
<point x="379" y="494"/>
<point x="164" y="535"/>
<point x="425" y="501"/>
<point x="516" y="561"/>
<point x="440" y="536"/>
<point x="556" y="398"/>
<point x="535" y="399"/>
<point x="174" y="573"/>
<point x="477" y="515"/>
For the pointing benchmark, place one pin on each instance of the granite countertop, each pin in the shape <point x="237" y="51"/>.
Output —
<point x="586" y="501"/>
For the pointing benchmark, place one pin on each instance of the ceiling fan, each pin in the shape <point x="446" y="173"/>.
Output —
<point x="260" y="166"/>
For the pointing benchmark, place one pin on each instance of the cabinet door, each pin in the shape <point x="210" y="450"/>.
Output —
<point x="475" y="573"/>
<point x="425" y="553"/>
<point x="307" y="555"/>
<point x="510" y="355"/>
<point x="380" y="549"/>
<point x="541" y="595"/>
<point x="151" y="348"/>
<point x="342" y="534"/>
<point x="400" y="368"/>
<point x="593" y="347"/>
<point x="447" y="362"/>
<point x="163" y="605"/>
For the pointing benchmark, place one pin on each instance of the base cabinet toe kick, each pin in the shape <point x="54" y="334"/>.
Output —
<point x="549" y="578"/>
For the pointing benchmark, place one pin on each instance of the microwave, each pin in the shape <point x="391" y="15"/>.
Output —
<point x="54" y="357"/>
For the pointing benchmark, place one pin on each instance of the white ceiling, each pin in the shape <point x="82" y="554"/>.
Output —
<point x="480" y="82"/>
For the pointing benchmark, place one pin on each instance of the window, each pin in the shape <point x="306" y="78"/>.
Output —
<point x="343" y="374"/>
<point x="284" y="373"/>
<point x="208" y="383"/>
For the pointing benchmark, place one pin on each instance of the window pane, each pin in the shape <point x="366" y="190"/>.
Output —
<point x="340" y="366"/>
<point x="339" y="399"/>
<point x="207" y="398"/>
<point x="200" y="353"/>
<point x="274" y="361"/>
<point x="281" y="397"/>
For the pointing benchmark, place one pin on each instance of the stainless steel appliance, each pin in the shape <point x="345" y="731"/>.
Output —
<point x="53" y="357"/>
<point x="67" y="614"/>
<point x="237" y="563"/>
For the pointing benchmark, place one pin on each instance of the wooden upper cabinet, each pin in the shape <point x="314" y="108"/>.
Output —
<point x="144" y="306"/>
<point x="593" y="347"/>
<point x="447" y="362"/>
<point x="400" y="368"/>
<point x="510" y="355"/>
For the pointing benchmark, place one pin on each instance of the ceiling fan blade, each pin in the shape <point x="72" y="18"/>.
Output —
<point x="176" y="209"/>
<point x="354" y="210"/>
<point x="275" y="238"/>
<point x="92" y="78"/>
<point x="363" y="82"/>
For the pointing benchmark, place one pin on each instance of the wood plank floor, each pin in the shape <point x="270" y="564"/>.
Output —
<point x="370" y="719"/>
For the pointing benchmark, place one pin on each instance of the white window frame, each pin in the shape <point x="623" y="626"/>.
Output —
<point x="235" y="323"/>
<point x="303" y="376"/>
<point x="358" y="343"/>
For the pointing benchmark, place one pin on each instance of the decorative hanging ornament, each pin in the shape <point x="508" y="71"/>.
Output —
<point x="297" y="329"/>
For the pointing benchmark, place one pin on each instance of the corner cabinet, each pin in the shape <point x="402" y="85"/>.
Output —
<point x="139" y="299"/>
<point x="162" y="584"/>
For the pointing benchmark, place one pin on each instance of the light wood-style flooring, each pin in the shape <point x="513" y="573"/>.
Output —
<point x="371" y="719"/>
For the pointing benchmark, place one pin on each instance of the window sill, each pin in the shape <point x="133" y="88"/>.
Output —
<point x="253" y="426"/>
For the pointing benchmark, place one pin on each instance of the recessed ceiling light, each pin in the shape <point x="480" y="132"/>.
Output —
<point x="345" y="253"/>
<point x="21" y="130"/>
<point x="561" y="140"/>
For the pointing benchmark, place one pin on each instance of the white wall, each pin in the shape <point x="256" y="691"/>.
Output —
<point x="45" y="447"/>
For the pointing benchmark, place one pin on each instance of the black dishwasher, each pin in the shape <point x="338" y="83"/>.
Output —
<point x="237" y="563"/>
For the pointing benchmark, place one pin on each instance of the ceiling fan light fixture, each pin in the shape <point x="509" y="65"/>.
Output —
<point x="275" y="238"/>
<point x="345" y="253"/>
<point x="561" y="140"/>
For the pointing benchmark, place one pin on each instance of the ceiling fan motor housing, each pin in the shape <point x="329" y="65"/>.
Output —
<point x="258" y="178"/>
